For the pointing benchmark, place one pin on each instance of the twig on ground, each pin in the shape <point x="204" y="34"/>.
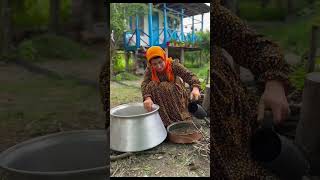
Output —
<point x="121" y="156"/>
<point x="115" y="171"/>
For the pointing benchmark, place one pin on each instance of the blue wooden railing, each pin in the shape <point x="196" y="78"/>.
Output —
<point x="132" y="37"/>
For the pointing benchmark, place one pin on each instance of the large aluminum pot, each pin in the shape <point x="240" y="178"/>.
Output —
<point x="134" y="129"/>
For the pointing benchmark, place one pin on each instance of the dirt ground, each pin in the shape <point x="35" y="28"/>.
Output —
<point x="165" y="160"/>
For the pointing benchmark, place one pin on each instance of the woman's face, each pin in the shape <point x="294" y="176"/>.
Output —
<point x="158" y="64"/>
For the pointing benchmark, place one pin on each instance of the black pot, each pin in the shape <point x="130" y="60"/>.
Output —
<point x="196" y="110"/>
<point x="277" y="153"/>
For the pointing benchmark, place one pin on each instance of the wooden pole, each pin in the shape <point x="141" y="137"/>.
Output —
<point x="313" y="48"/>
<point x="308" y="129"/>
<point x="6" y="27"/>
<point x="182" y="56"/>
<point x="206" y="100"/>
<point x="54" y="16"/>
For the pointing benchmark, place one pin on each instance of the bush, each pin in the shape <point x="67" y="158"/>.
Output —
<point x="51" y="46"/>
<point x="125" y="76"/>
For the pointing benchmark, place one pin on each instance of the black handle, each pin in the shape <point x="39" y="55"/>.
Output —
<point x="267" y="121"/>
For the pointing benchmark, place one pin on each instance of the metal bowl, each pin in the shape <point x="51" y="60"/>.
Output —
<point x="134" y="129"/>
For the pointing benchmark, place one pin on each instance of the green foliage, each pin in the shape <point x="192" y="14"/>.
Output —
<point x="51" y="46"/>
<point x="26" y="50"/>
<point x="297" y="77"/>
<point x="119" y="16"/>
<point x="119" y="63"/>
<point x="252" y="11"/>
<point x="35" y="13"/>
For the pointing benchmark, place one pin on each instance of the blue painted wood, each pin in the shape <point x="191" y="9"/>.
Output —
<point x="137" y="32"/>
<point x="192" y="29"/>
<point x="155" y="28"/>
<point x="165" y="25"/>
<point x="181" y="19"/>
<point x="150" y="25"/>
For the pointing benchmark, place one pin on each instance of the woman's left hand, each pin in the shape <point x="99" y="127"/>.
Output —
<point x="275" y="99"/>
<point x="195" y="94"/>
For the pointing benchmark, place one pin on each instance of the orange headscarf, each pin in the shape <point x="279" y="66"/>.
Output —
<point x="157" y="51"/>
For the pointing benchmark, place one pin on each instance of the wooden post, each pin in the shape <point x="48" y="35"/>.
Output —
<point x="6" y="27"/>
<point x="150" y="25"/>
<point x="167" y="51"/>
<point x="206" y="100"/>
<point x="54" y="16"/>
<point x="88" y="19"/>
<point x="313" y="48"/>
<point x="182" y="56"/>
<point x="289" y="7"/>
<point x="308" y="129"/>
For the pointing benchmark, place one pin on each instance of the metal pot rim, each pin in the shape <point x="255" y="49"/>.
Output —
<point x="113" y="110"/>
<point x="99" y="169"/>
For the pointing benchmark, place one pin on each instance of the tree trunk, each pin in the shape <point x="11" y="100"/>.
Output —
<point x="206" y="100"/>
<point x="290" y="7"/>
<point x="6" y="27"/>
<point x="54" y="26"/>
<point x="308" y="129"/>
<point x="313" y="48"/>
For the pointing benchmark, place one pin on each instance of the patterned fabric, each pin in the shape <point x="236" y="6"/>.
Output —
<point x="172" y="97"/>
<point x="233" y="109"/>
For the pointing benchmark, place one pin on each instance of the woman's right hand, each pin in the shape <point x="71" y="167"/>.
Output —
<point x="148" y="104"/>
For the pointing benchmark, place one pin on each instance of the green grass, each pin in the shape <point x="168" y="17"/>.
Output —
<point x="120" y="94"/>
<point x="38" y="105"/>
<point x="295" y="36"/>
<point x="49" y="46"/>
<point x="125" y="76"/>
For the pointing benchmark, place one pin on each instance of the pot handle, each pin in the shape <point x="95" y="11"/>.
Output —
<point x="267" y="121"/>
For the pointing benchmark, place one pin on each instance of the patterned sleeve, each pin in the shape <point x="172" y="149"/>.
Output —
<point x="248" y="48"/>
<point x="145" y="85"/>
<point x="185" y="74"/>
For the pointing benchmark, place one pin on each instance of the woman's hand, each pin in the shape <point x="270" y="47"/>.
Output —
<point x="147" y="103"/>
<point x="195" y="94"/>
<point x="274" y="98"/>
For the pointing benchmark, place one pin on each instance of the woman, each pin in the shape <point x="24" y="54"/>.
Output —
<point x="234" y="111"/>
<point x="162" y="86"/>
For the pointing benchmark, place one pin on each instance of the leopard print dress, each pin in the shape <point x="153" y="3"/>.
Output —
<point x="233" y="108"/>
<point x="172" y="97"/>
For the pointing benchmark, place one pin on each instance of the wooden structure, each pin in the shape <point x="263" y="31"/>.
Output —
<point x="163" y="26"/>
